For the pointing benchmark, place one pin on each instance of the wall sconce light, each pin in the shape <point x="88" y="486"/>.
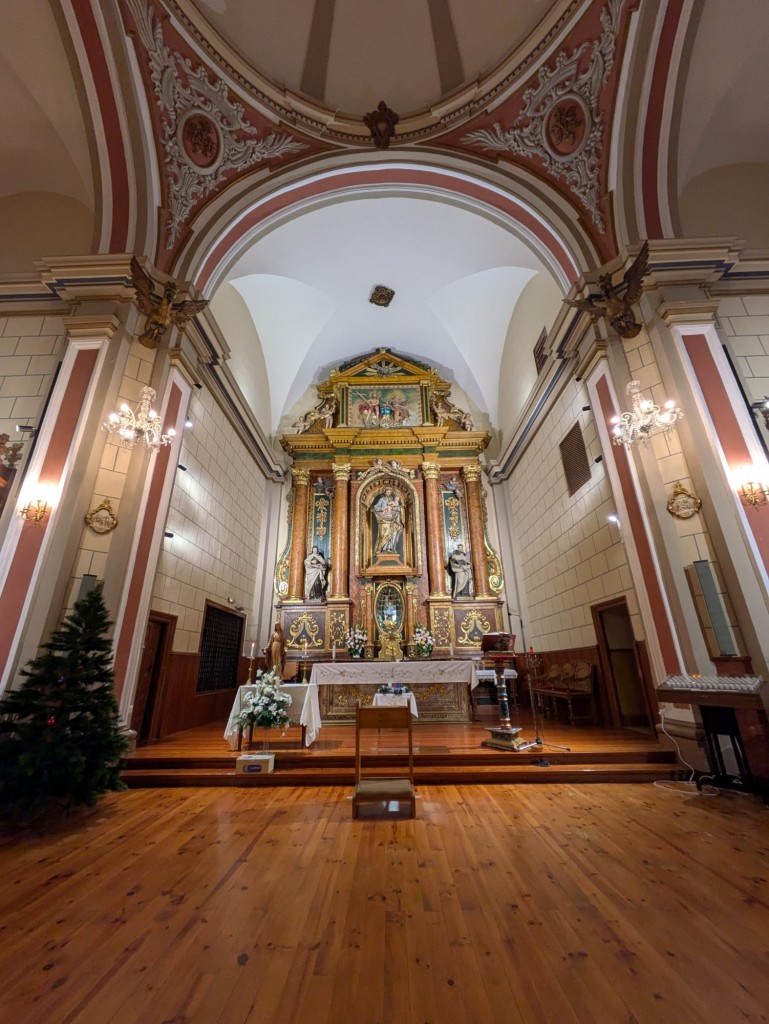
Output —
<point x="34" y="511"/>
<point x="187" y="424"/>
<point x="182" y="468"/>
<point x="754" y="494"/>
<point x="168" y="533"/>
<point x="613" y="519"/>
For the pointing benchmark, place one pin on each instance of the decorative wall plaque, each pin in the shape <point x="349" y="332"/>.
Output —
<point x="682" y="503"/>
<point x="102" y="519"/>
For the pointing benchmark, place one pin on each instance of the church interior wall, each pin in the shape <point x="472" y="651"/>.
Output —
<point x="568" y="555"/>
<point x="744" y="322"/>
<point x="215" y="515"/>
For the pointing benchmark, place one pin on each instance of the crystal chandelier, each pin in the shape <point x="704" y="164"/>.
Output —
<point x="142" y="426"/>
<point x="646" y="420"/>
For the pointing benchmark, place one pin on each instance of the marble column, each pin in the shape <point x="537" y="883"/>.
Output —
<point x="472" y="476"/>
<point x="339" y="568"/>
<point x="298" y="534"/>
<point x="433" y="515"/>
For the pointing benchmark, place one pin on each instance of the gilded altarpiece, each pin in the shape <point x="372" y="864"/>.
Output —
<point x="384" y="469"/>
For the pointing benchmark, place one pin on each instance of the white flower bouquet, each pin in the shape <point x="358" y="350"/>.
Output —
<point x="266" y="706"/>
<point x="356" y="640"/>
<point x="424" y="641"/>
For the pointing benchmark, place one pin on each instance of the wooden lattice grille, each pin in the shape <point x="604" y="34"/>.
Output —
<point x="220" y="645"/>
<point x="576" y="467"/>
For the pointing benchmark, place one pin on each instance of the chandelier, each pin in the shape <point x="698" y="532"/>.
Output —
<point x="645" y="421"/>
<point x="140" y="426"/>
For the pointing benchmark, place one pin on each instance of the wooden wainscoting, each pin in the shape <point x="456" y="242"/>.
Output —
<point x="183" y="707"/>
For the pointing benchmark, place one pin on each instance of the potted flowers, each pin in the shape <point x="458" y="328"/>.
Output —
<point x="266" y="706"/>
<point x="424" y="642"/>
<point x="356" y="640"/>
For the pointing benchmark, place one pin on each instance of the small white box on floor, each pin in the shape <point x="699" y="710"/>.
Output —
<point x="254" y="764"/>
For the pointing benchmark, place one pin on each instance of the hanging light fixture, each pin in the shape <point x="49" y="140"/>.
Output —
<point x="140" y="426"/>
<point x="646" y="420"/>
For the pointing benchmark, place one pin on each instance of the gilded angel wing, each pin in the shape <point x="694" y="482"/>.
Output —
<point x="187" y="310"/>
<point x="635" y="274"/>
<point x="146" y="299"/>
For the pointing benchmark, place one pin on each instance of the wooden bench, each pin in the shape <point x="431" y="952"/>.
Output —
<point x="570" y="684"/>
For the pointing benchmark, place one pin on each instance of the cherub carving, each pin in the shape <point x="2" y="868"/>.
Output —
<point x="615" y="302"/>
<point x="160" y="315"/>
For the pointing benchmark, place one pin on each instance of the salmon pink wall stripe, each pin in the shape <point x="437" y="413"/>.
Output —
<point x="653" y="126"/>
<point x="110" y="126"/>
<point x="397" y="176"/>
<point x="727" y="428"/>
<point x="141" y="565"/>
<point x="21" y="572"/>
<point x="637" y="526"/>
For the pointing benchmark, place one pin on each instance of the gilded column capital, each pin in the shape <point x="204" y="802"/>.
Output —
<point x="342" y="471"/>
<point x="472" y="473"/>
<point x="431" y="470"/>
<point x="300" y="475"/>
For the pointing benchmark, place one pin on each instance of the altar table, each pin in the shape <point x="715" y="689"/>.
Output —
<point x="304" y="709"/>
<point x="396" y="700"/>
<point x="441" y="688"/>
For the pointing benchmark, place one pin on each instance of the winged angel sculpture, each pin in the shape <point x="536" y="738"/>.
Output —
<point x="164" y="313"/>
<point x="615" y="302"/>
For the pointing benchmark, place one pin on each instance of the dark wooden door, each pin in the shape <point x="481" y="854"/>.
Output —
<point x="144" y="718"/>
<point x="618" y="653"/>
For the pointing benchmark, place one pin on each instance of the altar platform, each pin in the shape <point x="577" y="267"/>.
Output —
<point x="448" y="753"/>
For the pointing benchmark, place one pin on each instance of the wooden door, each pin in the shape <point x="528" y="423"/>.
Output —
<point x="147" y="704"/>
<point x="626" y="689"/>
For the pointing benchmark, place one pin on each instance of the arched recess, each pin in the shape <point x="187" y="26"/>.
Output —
<point x="247" y="218"/>
<point x="116" y="125"/>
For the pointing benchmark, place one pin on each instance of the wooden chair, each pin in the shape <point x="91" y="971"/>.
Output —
<point x="383" y="789"/>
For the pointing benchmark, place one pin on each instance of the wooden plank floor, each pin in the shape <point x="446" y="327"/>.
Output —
<point x="540" y="905"/>
<point x="207" y="740"/>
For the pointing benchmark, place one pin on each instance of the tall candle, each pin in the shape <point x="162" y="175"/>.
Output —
<point x="451" y="648"/>
<point x="253" y="648"/>
<point x="333" y="652"/>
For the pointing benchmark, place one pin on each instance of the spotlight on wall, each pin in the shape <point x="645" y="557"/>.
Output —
<point x="613" y="519"/>
<point x="188" y="424"/>
<point x="585" y="408"/>
<point x="26" y="428"/>
<point x="168" y="533"/>
<point x="182" y="468"/>
<point x="598" y="458"/>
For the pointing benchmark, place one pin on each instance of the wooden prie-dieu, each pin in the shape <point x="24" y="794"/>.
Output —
<point x="387" y="523"/>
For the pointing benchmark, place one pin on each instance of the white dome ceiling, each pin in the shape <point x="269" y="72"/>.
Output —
<point x="457" y="276"/>
<point x="350" y="54"/>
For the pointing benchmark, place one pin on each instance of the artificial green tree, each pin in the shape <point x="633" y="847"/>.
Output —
<point x="61" y="741"/>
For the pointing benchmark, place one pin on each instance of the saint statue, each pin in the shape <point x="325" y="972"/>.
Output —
<point x="315" y="571"/>
<point x="389" y="515"/>
<point x="461" y="573"/>
<point x="275" y="651"/>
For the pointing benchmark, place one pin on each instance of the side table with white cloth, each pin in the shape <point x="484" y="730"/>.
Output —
<point x="488" y="675"/>
<point x="304" y="709"/>
<point x="396" y="700"/>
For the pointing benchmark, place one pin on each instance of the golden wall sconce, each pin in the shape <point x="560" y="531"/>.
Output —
<point x="34" y="511"/>
<point x="754" y="494"/>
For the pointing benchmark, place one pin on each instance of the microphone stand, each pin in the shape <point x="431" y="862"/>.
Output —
<point x="532" y="663"/>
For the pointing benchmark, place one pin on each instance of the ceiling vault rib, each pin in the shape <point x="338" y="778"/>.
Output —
<point x="447" y="53"/>
<point x="318" y="48"/>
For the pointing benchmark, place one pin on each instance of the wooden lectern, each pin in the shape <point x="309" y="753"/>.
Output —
<point x="499" y="648"/>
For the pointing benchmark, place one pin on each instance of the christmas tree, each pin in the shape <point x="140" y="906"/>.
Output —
<point x="60" y="738"/>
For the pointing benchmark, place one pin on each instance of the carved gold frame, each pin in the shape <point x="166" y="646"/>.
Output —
<point x="412" y="540"/>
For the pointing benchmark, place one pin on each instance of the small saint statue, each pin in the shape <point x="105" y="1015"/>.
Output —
<point x="461" y="573"/>
<point x="275" y="651"/>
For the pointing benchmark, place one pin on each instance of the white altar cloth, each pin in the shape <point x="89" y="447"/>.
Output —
<point x="305" y="709"/>
<point x="335" y="673"/>
<point x="396" y="700"/>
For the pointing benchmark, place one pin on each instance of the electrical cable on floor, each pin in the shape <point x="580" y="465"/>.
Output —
<point x="688" y="786"/>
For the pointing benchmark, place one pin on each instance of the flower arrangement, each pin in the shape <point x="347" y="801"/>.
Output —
<point x="396" y="688"/>
<point x="356" y="639"/>
<point x="266" y="706"/>
<point x="424" y="641"/>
